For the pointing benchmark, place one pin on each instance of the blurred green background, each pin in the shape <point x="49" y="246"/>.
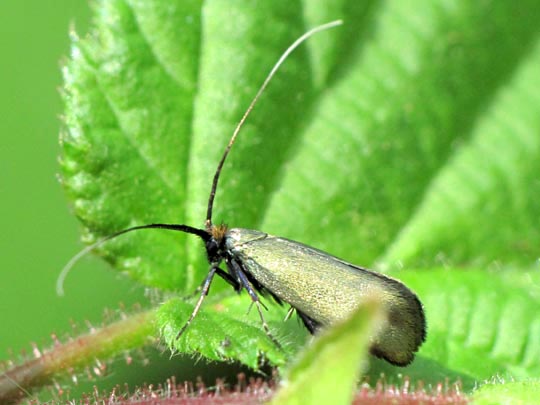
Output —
<point x="38" y="232"/>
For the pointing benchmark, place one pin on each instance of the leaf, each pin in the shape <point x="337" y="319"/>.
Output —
<point x="525" y="392"/>
<point x="327" y="371"/>
<point x="410" y="136"/>
<point x="480" y="325"/>
<point x="225" y="331"/>
<point x="484" y="198"/>
<point x="393" y="120"/>
<point x="142" y="144"/>
<point x="128" y="119"/>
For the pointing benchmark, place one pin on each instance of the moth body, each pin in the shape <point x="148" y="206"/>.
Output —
<point x="324" y="289"/>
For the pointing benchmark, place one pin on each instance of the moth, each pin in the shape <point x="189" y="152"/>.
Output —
<point x="321" y="288"/>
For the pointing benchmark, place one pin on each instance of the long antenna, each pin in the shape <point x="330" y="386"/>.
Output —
<point x="203" y="234"/>
<point x="280" y="61"/>
<point x="172" y="227"/>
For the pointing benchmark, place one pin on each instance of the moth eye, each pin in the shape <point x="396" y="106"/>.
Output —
<point x="212" y="247"/>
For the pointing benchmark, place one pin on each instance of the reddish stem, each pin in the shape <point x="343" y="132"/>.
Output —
<point x="132" y="332"/>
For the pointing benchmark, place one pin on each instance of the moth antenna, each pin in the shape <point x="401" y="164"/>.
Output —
<point x="172" y="227"/>
<point x="280" y="61"/>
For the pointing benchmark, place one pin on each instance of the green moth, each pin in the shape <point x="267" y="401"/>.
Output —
<point x="321" y="288"/>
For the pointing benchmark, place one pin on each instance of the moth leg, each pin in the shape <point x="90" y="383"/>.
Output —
<point x="311" y="325"/>
<point x="237" y="268"/>
<point x="205" y="287"/>
<point x="289" y="314"/>
<point x="229" y="279"/>
<point x="225" y="276"/>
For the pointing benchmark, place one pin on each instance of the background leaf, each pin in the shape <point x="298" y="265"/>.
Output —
<point x="125" y="153"/>
<point x="525" y="392"/>
<point x="391" y="122"/>
<point x="409" y="137"/>
<point x="480" y="324"/>
<point x="482" y="206"/>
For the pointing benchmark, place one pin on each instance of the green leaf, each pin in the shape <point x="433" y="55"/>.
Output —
<point x="517" y="393"/>
<point x="225" y="331"/>
<point x="371" y="146"/>
<point x="327" y="371"/>
<point x="129" y="106"/>
<point x="482" y="205"/>
<point x="407" y="137"/>
<point x="480" y="324"/>
<point x="393" y="119"/>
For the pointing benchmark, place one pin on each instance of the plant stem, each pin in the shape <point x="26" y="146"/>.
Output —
<point x="132" y="332"/>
